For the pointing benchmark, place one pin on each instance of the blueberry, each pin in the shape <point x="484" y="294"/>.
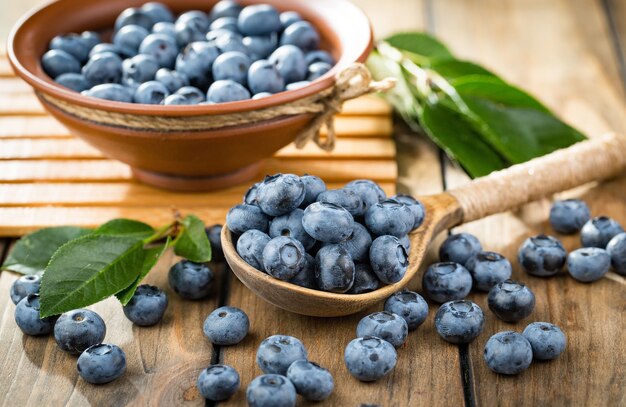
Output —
<point x="165" y="28"/>
<point x="196" y="62"/>
<point x="458" y="248"/>
<point x="264" y="77"/>
<point x="192" y="281"/>
<point x="134" y="16"/>
<point x="389" y="259"/>
<point x="158" y="12"/>
<point x="74" y="81"/>
<point x="27" y="317"/>
<point x="409" y="305"/>
<point x="77" y="330"/>
<point x="364" y="280"/>
<point x="105" y="47"/>
<point x="280" y="194"/>
<point x="389" y="217"/>
<point x="588" y="264"/>
<point x="101" y="363"/>
<point x="291" y="225"/>
<point x="416" y="207"/>
<point x="214" y="233"/>
<point x="176" y="100"/>
<point x="277" y="352"/>
<point x="346" y="198"/>
<point x="319" y="56"/>
<point x="568" y="216"/>
<point x="446" y="281"/>
<point x="547" y="340"/>
<point x="488" y="269"/>
<point x="311" y="381"/>
<point x="384" y="325"/>
<point x="370" y="358"/>
<point x="250" y="246"/>
<point x="224" y="91"/>
<point x="231" y="65"/>
<point x="359" y="243"/>
<point x="306" y="276"/>
<point x="302" y="34"/>
<point x="289" y="17"/>
<point x="227" y="41"/>
<point x="110" y="91"/>
<point x="258" y="19"/>
<point x="508" y="353"/>
<point x="151" y="93"/>
<point x="459" y="321"/>
<point x="218" y="382"/>
<point x="317" y="70"/>
<point x="173" y="80"/>
<point x="251" y="195"/>
<point x="406" y="243"/>
<point x="104" y="67"/>
<point x="162" y="48"/>
<point x="192" y="94"/>
<point x="313" y="186"/>
<point x="139" y="69"/>
<point x="328" y="222"/>
<point x="369" y="191"/>
<point x="289" y="61"/>
<point x="225" y="8"/>
<point x="91" y="38"/>
<point x="24" y="286"/>
<point x="260" y="46"/>
<point x="283" y="257"/>
<point x="190" y="27"/>
<point x="226" y="326"/>
<point x="334" y="269"/>
<point x="224" y="23"/>
<point x="241" y="218"/>
<point x="542" y="256"/>
<point x="599" y="231"/>
<point x="56" y="62"/>
<point x="147" y="306"/>
<point x="73" y="44"/>
<point x="271" y="390"/>
<point x="296" y="85"/>
<point x="129" y="38"/>
<point x="511" y="301"/>
<point x="617" y="250"/>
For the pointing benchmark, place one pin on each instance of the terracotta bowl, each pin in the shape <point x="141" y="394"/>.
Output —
<point x="179" y="158"/>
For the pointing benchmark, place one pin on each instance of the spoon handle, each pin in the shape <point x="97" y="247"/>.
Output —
<point x="591" y="160"/>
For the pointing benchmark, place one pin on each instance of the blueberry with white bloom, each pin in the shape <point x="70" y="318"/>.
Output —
<point x="384" y="325"/>
<point x="406" y="243"/>
<point x="28" y="319"/>
<point x="459" y="247"/>
<point x="110" y="91"/>
<point x="588" y="264"/>
<point x="104" y="67"/>
<point x="313" y="186"/>
<point x="259" y="19"/>
<point x="129" y="38"/>
<point x="260" y="46"/>
<point x="280" y="194"/>
<point x="165" y="28"/>
<point x="241" y="218"/>
<point x="73" y="44"/>
<point x="218" y="382"/>
<point x="173" y="80"/>
<point x="511" y="301"/>
<point x="147" y="306"/>
<point x="277" y="352"/>
<point x="370" y="358"/>
<point x="74" y="81"/>
<point x="388" y="259"/>
<point x="190" y="27"/>
<point x="227" y="41"/>
<point x="447" y="281"/>
<point x="359" y="243"/>
<point x="617" y="250"/>
<point x="389" y="217"/>
<point x="569" y="216"/>
<point x="334" y="269"/>
<point x="409" y="305"/>
<point x="547" y="340"/>
<point x="302" y="34"/>
<point x="159" y="12"/>
<point x="283" y="257"/>
<point x="224" y="91"/>
<point x="79" y="329"/>
<point x="192" y="94"/>
<point x="251" y="195"/>
<point x="311" y="381"/>
<point x="101" y="363"/>
<point x="271" y="390"/>
<point x="488" y="269"/>
<point x="291" y="225"/>
<point x="365" y="280"/>
<point x="176" y="100"/>
<point x="327" y="222"/>
<point x="224" y="23"/>
<point x="192" y="281"/>
<point x="57" y="62"/>
<point x="263" y="76"/>
<point x="508" y="353"/>
<point x="91" y="38"/>
<point x="105" y="47"/>
<point x="306" y="276"/>
<point x="226" y="326"/>
<point x="459" y="321"/>
<point x="250" y="246"/>
<point x="24" y="286"/>
<point x="151" y="93"/>
<point x="542" y="256"/>
<point x="289" y="61"/>
<point x="370" y="192"/>
<point x="139" y="69"/>
<point x="196" y="62"/>
<point x="225" y="8"/>
<point x="346" y="198"/>
<point x="416" y="207"/>
<point x="599" y="231"/>
<point x="162" y="47"/>
<point x="133" y="16"/>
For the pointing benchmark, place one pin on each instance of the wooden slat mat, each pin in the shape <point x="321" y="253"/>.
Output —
<point x="49" y="177"/>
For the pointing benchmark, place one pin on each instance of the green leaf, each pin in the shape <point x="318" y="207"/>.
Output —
<point x="125" y="227"/>
<point x="89" y="269"/>
<point x="151" y="258"/>
<point x="419" y="43"/>
<point x="31" y="253"/>
<point x="455" y="69"/>
<point x="457" y="138"/>
<point x="193" y="243"/>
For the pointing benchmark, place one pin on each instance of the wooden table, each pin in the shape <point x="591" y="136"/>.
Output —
<point x="570" y="53"/>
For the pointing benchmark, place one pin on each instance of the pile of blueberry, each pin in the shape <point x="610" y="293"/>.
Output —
<point x="349" y="240"/>
<point x="231" y="53"/>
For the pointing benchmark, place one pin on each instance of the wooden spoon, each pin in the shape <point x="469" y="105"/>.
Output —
<point x="583" y="162"/>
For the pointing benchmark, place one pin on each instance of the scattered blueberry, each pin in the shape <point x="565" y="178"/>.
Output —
<point x="617" y="250"/>
<point x="327" y="222"/>
<point x="588" y="264"/>
<point x="346" y="198"/>
<point x="508" y="353"/>
<point x="147" y="306"/>
<point x="280" y="194"/>
<point x="459" y="247"/>
<point x="370" y="358"/>
<point x="384" y="325"/>
<point x="511" y="301"/>
<point x="542" y="256"/>
<point x="598" y="231"/>
<point x="214" y="233"/>
<point x="24" y="286"/>
<point x="459" y="321"/>
<point x="445" y="282"/>
<point x="488" y="269"/>
<point x="77" y="330"/>
<point x="101" y="363"/>
<point x="388" y="259"/>
<point x="226" y="326"/>
<point x="334" y="269"/>
<point x="192" y="281"/>
<point x="224" y="91"/>
<point x="250" y="246"/>
<point x="283" y="257"/>
<point x="291" y="225"/>
<point x="547" y="340"/>
<point x="409" y="305"/>
<point x="313" y="186"/>
<point x="27" y="317"/>
<point x="364" y="280"/>
<point x="370" y="192"/>
<point x="569" y="216"/>
<point x="277" y="352"/>
<point x="218" y="382"/>
<point x="289" y="61"/>
<point x="271" y="390"/>
<point x="57" y="62"/>
<point x="311" y="381"/>
<point x="241" y="218"/>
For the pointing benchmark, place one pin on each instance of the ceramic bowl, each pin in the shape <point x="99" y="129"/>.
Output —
<point x="179" y="158"/>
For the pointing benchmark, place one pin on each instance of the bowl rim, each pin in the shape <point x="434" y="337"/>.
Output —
<point x="48" y="87"/>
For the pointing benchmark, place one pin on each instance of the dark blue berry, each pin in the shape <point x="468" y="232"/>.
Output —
<point x="291" y="225"/>
<point x="162" y="48"/>
<point x="547" y="340"/>
<point x="258" y="19"/>
<point x="617" y="250"/>
<point x="599" y="231"/>
<point x="250" y="246"/>
<point x="389" y="217"/>
<point x="334" y="270"/>
<point x="511" y="301"/>
<point x="459" y="321"/>
<point x="101" y="363"/>
<point x="147" y="306"/>
<point x="409" y="305"/>
<point x="283" y="257"/>
<point x="327" y="222"/>
<point x="218" y="382"/>
<point x="77" y="330"/>
<point x="289" y="61"/>
<point x="365" y="280"/>
<point x="306" y="276"/>
<point x="129" y="38"/>
<point x="346" y="198"/>
<point x="57" y="62"/>
<point x="370" y="358"/>
<point x="445" y="282"/>
<point x="277" y="352"/>
<point x="313" y="186"/>
<point x="370" y="192"/>
<point x="192" y="281"/>
<point x="241" y="218"/>
<point x="74" y="81"/>
<point x="264" y="77"/>
<point x="458" y="248"/>
<point x="542" y="256"/>
<point x="384" y="325"/>
<point x="588" y="264"/>
<point x="225" y="91"/>
<point x="28" y="319"/>
<point x="110" y="91"/>
<point x="488" y="269"/>
<point x="24" y="286"/>
<point x="104" y="67"/>
<point x="280" y="194"/>
<point x="151" y="93"/>
<point x="301" y="34"/>
<point x="569" y="216"/>
<point x="508" y="353"/>
<point x="271" y="390"/>
<point x="416" y="207"/>
<point x="388" y="259"/>
<point x="226" y="326"/>
<point x="311" y="381"/>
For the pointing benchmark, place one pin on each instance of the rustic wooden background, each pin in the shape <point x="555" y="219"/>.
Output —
<point x="570" y="53"/>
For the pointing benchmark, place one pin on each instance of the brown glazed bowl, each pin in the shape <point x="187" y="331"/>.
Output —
<point x="179" y="158"/>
